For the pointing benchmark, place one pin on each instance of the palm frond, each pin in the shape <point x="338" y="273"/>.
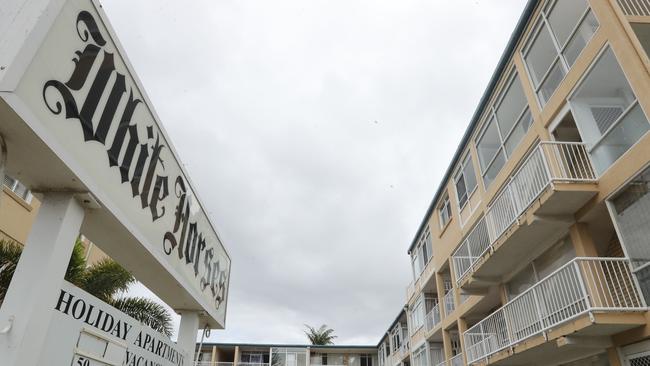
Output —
<point x="321" y="336"/>
<point x="147" y="312"/>
<point x="9" y="255"/>
<point x="76" y="272"/>
<point x="106" y="279"/>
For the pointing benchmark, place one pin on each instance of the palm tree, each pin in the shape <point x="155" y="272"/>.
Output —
<point x="106" y="280"/>
<point x="321" y="336"/>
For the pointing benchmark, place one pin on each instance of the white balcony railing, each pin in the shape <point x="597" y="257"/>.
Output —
<point x="471" y="249"/>
<point x="548" y="162"/>
<point x="432" y="318"/>
<point x="209" y="363"/>
<point x="635" y="7"/>
<point x="410" y="290"/>
<point x="580" y="286"/>
<point x="252" y="363"/>
<point x="457" y="360"/>
<point x="450" y="305"/>
<point x="404" y="350"/>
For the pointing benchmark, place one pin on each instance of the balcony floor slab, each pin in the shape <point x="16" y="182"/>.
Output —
<point x="549" y="349"/>
<point x="543" y="223"/>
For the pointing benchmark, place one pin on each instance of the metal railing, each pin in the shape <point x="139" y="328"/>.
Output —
<point x="548" y="162"/>
<point x="209" y="363"/>
<point x="443" y="363"/>
<point x="404" y="350"/>
<point x="457" y="360"/>
<point x="252" y="363"/>
<point x="635" y="7"/>
<point x="472" y="248"/>
<point x="432" y="318"/>
<point x="450" y="305"/>
<point x="583" y="285"/>
<point x="410" y="290"/>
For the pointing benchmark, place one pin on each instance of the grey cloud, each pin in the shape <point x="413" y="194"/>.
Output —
<point x="272" y="105"/>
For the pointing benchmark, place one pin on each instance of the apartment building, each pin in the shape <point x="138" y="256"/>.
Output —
<point x="536" y="246"/>
<point x="18" y="209"/>
<point x="240" y="354"/>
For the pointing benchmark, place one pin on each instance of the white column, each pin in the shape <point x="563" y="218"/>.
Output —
<point x="37" y="280"/>
<point x="187" y="332"/>
<point x="3" y="161"/>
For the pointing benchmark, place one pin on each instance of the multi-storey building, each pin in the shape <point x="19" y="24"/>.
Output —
<point x="240" y="354"/>
<point x="536" y="246"/>
<point x="535" y="249"/>
<point x="18" y="209"/>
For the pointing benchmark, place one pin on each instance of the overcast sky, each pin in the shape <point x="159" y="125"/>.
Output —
<point x="316" y="133"/>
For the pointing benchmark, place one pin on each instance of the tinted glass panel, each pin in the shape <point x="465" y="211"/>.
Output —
<point x="488" y="145"/>
<point x="564" y="16"/>
<point x="580" y="38"/>
<point x="551" y="83"/>
<point x="541" y="55"/>
<point x="494" y="169"/>
<point x="512" y="104"/>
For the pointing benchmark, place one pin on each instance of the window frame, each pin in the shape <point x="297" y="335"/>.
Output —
<point x="543" y="22"/>
<point x="445" y="204"/>
<point x="490" y="117"/>
<point x="626" y="111"/>
<point x="417" y="313"/>
<point x="460" y="174"/>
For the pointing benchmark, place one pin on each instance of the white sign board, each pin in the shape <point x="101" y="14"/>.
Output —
<point x="86" y="332"/>
<point x="81" y="97"/>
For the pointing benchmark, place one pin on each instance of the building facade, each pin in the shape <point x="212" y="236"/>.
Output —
<point x="535" y="249"/>
<point x="18" y="210"/>
<point x="240" y="354"/>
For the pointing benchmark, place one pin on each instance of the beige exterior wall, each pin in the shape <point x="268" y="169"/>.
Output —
<point x="614" y="32"/>
<point x="16" y="216"/>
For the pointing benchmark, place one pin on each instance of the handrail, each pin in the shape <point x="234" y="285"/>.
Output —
<point x="456" y="360"/>
<point x="548" y="162"/>
<point x="432" y="318"/>
<point x="582" y="285"/>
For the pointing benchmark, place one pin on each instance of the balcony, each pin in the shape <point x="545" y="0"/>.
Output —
<point x="416" y="286"/>
<point x="537" y="204"/>
<point x="432" y="319"/>
<point x="209" y="363"/>
<point x="457" y="360"/>
<point x="585" y="287"/>
<point x="403" y="351"/>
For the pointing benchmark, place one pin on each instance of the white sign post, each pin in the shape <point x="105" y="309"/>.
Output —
<point x="77" y="122"/>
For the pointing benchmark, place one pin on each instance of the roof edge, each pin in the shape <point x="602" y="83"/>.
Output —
<point x="503" y="62"/>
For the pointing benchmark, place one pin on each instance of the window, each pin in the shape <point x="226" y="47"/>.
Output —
<point x="422" y="253"/>
<point x="417" y="315"/>
<point x="465" y="181"/>
<point x="444" y="212"/>
<point x="508" y="121"/>
<point x="420" y="356"/>
<point x="630" y="209"/>
<point x="396" y="338"/>
<point x="607" y="113"/>
<point x="254" y="357"/>
<point x="562" y="31"/>
<point x="366" y="360"/>
<point x="18" y="188"/>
